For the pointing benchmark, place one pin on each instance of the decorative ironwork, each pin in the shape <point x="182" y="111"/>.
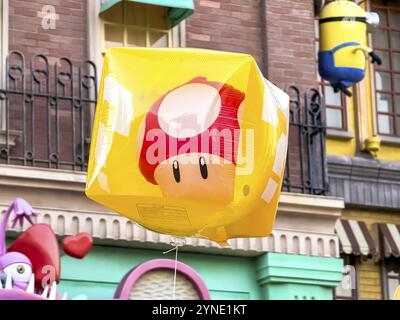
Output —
<point x="50" y="109"/>
<point x="306" y="167"/>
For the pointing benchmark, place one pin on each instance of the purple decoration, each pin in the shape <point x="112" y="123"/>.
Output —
<point x="13" y="257"/>
<point x="17" y="281"/>
<point x="18" y="295"/>
<point x="21" y="210"/>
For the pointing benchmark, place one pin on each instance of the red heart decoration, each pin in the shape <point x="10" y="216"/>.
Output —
<point x="78" y="246"/>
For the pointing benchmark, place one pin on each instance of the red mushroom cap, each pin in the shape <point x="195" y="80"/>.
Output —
<point x="219" y="104"/>
<point x="40" y="245"/>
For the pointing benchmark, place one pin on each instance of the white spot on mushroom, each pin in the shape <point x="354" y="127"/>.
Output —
<point x="102" y="148"/>
<point x="103" y="181"/>
<point x="273" y="98"/>
<point x="120" y="99"/>
<point x="116" y="118"/>
<point x="103" y="144"/>
<point x="269" y="113"/>
<point x="189" y="110"/>
<point x="269" y="190"/>
<point x="281" y="99"/>
<point x="280" y="155"/>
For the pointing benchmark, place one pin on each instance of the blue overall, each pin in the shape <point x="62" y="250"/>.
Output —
<point x="346" y="76"/>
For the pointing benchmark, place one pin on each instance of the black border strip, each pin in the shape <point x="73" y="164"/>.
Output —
<point x="333" y="19"/>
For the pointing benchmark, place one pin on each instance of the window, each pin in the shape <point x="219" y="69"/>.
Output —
<point x="347" y="289"/>
<point x="335" y="103"/>
<point x="392" y="277"/>
<point x="386" y="43"/>
<point x="335" y="106"/>
<point x="132" y="24"/>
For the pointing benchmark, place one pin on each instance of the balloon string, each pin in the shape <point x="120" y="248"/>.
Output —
<point x="175" y="267"/>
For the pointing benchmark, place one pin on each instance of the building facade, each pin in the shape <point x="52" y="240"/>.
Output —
<point x="51" y="54"/>
<point x="363" y="163"/>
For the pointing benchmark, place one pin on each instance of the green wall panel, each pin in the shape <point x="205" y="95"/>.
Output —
<point x="82" y="290"/>
<point x="296" y="277"/>
<point x="269" y="276"/>
<point x="98" y="274"/>
<point x="291" y="291"/>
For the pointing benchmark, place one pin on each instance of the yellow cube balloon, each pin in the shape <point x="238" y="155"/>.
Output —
<point x="189" y="142"/>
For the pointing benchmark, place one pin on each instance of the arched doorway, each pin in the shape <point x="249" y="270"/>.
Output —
<point x="153" y="280"/>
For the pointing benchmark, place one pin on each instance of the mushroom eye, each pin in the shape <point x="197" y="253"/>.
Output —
<point x="203" y="168"/>
<point x="20" y="272"/>
<point x="175" y="170"/>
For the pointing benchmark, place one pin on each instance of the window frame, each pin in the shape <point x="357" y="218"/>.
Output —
<point x="351" y="261"/>
<point x="393" y="114"/>
<point x="385" y="277"/>
<point x="126" y="27"/>
<point x="343" y="108"/>
<point x="95" y="34"/>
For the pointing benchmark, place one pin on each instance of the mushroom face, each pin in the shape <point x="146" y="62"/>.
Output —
<point x="197" y="177"/>
<point x="188" y="141"/>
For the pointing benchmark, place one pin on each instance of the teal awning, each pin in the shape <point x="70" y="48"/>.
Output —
<point x="178" y="9"/>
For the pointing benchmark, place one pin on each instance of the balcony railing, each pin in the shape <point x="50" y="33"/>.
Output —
<point x="46" y="114"/>
<point x="306" y="166"/>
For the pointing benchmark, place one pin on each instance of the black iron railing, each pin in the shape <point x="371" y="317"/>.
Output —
<point x="47" y="113"/>
<point x="306" y="167"/>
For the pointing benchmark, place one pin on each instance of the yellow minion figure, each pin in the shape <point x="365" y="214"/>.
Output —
<point x="396" y="295"/>
<point x="343" y="48"/>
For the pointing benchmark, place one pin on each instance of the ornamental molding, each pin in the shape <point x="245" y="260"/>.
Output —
<point x="305" y="223"/>
<point x="365" y="182"/>
<point x="358" y="168"/>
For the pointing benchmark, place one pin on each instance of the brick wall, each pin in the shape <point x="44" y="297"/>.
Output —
<point x="67" y="39"/>
<point x="286" y="51"/>
<point x="290" y="45"/>
<point x="27" y="35"/>
<point x="369" y="272"/>
<point x="229" y="25"/>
